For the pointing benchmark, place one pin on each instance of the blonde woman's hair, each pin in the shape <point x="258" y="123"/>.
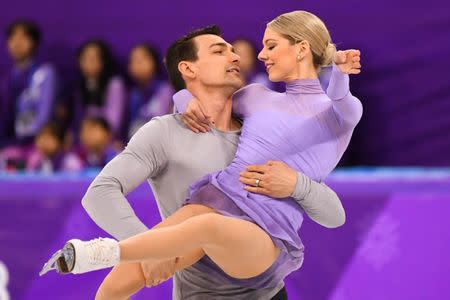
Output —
<point x="301" y="25"/>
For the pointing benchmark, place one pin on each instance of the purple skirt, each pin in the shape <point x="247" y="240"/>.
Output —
<point x="287" y="261"/>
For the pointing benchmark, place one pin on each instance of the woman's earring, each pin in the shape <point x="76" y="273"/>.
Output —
<point x="298" y="57"/>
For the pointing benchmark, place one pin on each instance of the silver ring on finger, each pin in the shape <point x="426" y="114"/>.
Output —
<point x="257" y="182"/>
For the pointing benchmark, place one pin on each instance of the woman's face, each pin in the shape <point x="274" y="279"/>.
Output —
<point x="90" y="62"/>
<point x="141" y="65"/>
<point x="279" y="57"/>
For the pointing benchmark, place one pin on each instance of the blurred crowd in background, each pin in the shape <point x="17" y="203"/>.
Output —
<point x="49" y="123"/>
<point x="69" y="102"/>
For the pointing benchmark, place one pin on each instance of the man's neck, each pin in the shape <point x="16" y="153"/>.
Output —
<point x="218" y="104"/>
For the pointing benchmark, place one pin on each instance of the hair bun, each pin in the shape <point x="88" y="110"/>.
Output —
<point x="328" y="54"/>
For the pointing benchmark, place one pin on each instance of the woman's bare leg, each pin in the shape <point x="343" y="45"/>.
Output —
<point x="240" y="248"/>
<point x="127" y="279"/>
<point x="122" y="282"/>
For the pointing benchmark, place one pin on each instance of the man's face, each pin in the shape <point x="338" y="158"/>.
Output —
<point x="217" y="64"/>
<point x="20" y="45"/>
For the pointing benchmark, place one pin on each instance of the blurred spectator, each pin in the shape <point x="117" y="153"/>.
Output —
<point x="50" y="152"/>
<point x="13" y="159"/>
<point x="29" y="90"/>
<point x="101" y="92"/>
<point x="150" y="96"/>
<point x="246" y="50"/>
<point x="96" y="142"/>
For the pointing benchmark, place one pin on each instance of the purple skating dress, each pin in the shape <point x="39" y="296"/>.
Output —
<point x="302" y="127"/>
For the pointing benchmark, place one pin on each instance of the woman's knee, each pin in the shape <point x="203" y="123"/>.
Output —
<point x="210" y="224"/>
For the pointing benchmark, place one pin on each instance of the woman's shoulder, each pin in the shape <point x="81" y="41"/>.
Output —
<point x="254" y="89"/>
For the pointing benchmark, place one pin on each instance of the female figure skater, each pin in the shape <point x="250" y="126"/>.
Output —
<point x="251" y="237"/>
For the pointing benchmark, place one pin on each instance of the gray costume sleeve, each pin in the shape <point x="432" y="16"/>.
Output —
<point x="105" y="200"/>
<point x="319" y="202"/>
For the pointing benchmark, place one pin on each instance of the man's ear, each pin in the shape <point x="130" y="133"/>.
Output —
<point x="186" y="69"/>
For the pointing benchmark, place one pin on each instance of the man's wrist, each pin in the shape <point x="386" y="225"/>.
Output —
<point x="302" y="187"/>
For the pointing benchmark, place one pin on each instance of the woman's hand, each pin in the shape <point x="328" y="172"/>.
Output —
<point x="348" y="61"/>
<point x="196" y="118"/>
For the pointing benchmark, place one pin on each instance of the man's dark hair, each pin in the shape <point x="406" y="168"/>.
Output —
<point x="30" y="28"/>
<point x="184" y="49"/>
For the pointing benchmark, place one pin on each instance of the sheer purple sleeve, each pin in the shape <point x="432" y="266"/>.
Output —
<point x="325" y="76"/>
<point x="181" y="100"/>
<point x="347" y="107"/>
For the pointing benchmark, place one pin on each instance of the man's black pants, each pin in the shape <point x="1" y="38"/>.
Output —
<point x="281" y="295"/>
